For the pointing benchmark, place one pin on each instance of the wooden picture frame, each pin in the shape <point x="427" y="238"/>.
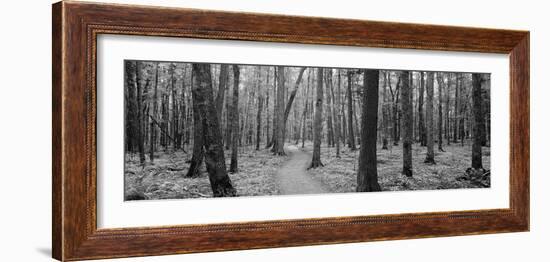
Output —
<point x="76" y="26"/>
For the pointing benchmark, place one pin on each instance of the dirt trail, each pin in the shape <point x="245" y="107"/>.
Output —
<point x="292" y="177"/>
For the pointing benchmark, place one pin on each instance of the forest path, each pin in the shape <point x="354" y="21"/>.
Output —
<point x="292" y="177"/>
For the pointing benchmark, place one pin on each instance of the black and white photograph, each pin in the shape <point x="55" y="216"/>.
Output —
<point x="275" y="131"/>
<point x="200" y="130"/>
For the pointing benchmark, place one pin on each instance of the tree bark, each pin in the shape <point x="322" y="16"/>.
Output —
<point x="183" y="114"/>
<point x="477" y="80"/>
<point x="351" y="134"/>
<point x="152" y="130"/>
<point x="276" y="108"/>
<point x="407" y="124"/>
<point x="198" y="145"/>
<point x="461" y="110"/>
<point x="355" y="119"/>
<point x="224" y="78"/>
<point x="396" y="113"/>
<point x="455" y="127"/>
<point x="259" y="114"/>
<point x="163" y="127"/>
<point x="485" y="107"/>
<point x="245" y="130"/>
<point x="342" y="109"/>
<point x="175" y="111"/>
<point x="228" y="123"/>
<point x="330" y="124"/>
<point x="421" y="125"/>
<point x="139" y="98"/>
<point x="214" y="157"/>
<point x="440" y="82"/>
<point x="235" y="121"/>
<point x="430" y="159"/>
<point x="306" y="111"/>
<point x="304" y="127"/>
<point x="367" y="174"/>
<point x="448" y="111"/>
<point x="278" y="146"/>
<point x="318" y="123"/>
<point x="267" y="115"/>
<point x="335" y="116"/>
<point x="385" y="113"/>
<point x="130" y="118"/>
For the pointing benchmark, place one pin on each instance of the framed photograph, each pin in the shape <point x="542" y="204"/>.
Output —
<point x="182" y="130"/>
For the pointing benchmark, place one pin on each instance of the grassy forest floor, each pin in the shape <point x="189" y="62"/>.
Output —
<point x="258" y="172"/>
<point x="165" y="179"/>
<point x="340" y="174"/>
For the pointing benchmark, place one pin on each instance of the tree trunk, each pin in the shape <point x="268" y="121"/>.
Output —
<point x="407" y="108"/>
<point x="224" y="78"/>
<point x="299" y="132"/>
<point x="183" y="114"/>
<point x="448" y="110"/>
<point x="318" y="124"/>
<point x="421" y="125"/>
<point x="396" y="113"/>
<point x="412" y="100"/>
<point x="235" y="121"/>
<point x="175" y="112"/>
<point x="440" y="83"/>
<point x="455" y="127"/>
<point x="130" y="108"/>
<point x="141" y="146"/>
<point x="461" y="111"/>
<point x="330" y="124"/>
<point x="351" y="134"/>
<point x="335" y="116"/>
<point x="430" y="159"/>
<point x="259" y="116"/>
<point x="342" y="115"/>
<point x="306" y="107"/>
<point x="267" y="115"/>
<point x="477" y="80"/>
<point x="276" y="108"/>
<point x="228" y="124"/>
<point x="214" y="157"/>
<point x="355" y="119"/>
<point x="278" y="146"/>
<point x="384" y="113"/>
<point x="485" y="107"/>
<point x="304" y="133"/>
<point x="245" y="128"/>
<point x="367" y="174"/>
<point x="198" y="145"/>
<point x="152" y="130"/>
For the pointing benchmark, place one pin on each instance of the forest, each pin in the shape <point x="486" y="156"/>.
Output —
<point x="195" y="130"/>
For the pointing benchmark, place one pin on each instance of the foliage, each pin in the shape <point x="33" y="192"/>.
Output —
<point x="169" y="121"/>
<point x="340" y="174"/>
<point x="165" y="179"/>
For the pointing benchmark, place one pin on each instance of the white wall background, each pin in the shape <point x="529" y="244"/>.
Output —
<point x="25" y="129"/>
